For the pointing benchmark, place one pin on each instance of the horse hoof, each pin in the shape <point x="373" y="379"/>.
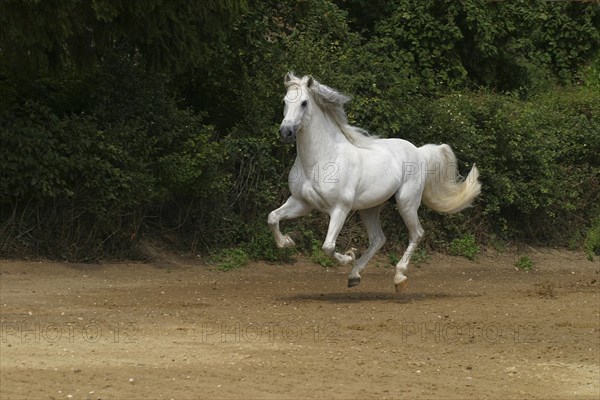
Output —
<point x="401" y="286"/>
<point x="353" y="281"/>
<point x="353" y="253"/>
<point x="286" y="242"/>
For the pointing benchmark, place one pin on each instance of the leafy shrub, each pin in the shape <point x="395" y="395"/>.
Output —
<point x="318" y="257"/>
<point x="464" y="246"/>
<point x="85" y="185"/>
<point x="536" y="158"/>
<point x="261" y="245"/>
<point x="228" y="259"/>
<point x="592" y="240"/>
<point x="525" y="263"/>
<point x="419" y="257"/>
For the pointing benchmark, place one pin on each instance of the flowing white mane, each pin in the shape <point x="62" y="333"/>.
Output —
<point x="332" y="103"/>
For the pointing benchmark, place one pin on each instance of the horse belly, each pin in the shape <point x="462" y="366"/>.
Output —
<point x="379" y="182"/>
<point x="374" y="196"/>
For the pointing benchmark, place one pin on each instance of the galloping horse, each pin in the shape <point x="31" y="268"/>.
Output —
<point x="340" y="168"/>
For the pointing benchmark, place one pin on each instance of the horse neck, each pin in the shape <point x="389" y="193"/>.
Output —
<point x="320" y="141"/>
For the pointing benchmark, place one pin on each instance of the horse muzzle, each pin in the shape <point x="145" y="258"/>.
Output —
<point x="287" y="133"/>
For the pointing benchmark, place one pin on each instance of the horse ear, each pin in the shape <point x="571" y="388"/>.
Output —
<point x="288" y="77"/>
<point x="310" y="81"/>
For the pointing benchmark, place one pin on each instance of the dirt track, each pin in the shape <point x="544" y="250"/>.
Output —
<point x="179" y="329"/>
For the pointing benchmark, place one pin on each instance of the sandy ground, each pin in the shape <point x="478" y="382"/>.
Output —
<point x="178" y="329"/>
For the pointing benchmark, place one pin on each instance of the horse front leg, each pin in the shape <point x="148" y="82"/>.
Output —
<point x="292" y="208"/>
<point x="336" y="222"/>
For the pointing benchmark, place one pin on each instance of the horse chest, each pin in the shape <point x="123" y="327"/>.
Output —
<point x="320" y="196"/>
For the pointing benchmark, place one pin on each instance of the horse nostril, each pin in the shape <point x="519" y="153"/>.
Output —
<point x="285" y="131"/>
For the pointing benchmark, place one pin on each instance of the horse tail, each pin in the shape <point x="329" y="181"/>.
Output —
<point x="445" y="191"/>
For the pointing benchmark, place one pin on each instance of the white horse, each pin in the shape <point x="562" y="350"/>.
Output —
<point x="340" y="168"/>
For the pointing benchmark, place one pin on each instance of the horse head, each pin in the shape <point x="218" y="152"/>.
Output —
<point x="297" y="105"/>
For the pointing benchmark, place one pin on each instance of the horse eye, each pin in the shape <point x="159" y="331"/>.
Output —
<point x="304" y="103"/>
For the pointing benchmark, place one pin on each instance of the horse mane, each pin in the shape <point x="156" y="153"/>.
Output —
<point x="332" y="103"/>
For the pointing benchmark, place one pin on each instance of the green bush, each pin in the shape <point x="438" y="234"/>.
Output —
<point x="84" y="185"/>
<point x="228" y="259"/>
<point x="539" y="173"/>
<point x="318" y="257"/>
<point x="525" y="263"/>
<point x="592" y="240"/>
<point x="464" y="246"/>
<point x="261" y="245"/>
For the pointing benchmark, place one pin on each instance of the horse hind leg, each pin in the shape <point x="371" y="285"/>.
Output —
<point x="372" y="223"/>
<point x="408" y="210"/>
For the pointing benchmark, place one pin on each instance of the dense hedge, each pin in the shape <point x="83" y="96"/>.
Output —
<point x="97" y="156"/>
<point x="538" y="158"/>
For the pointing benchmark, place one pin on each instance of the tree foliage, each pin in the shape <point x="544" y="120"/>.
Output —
<point x="170" y="35"/>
